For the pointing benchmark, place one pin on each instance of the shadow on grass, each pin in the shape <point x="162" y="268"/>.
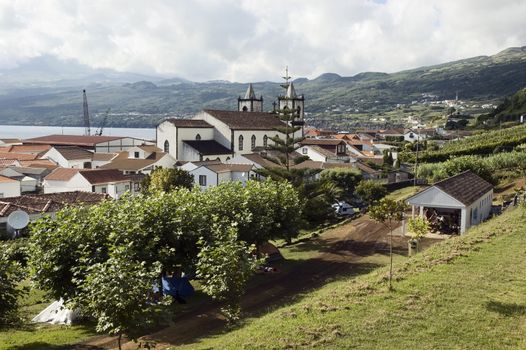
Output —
<point x="506" y="309"/>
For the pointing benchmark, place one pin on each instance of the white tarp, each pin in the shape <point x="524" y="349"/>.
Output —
<point x="56" y="313"/>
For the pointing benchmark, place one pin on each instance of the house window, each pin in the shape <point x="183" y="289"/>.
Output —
<point x="202" y="180"/>
<point x="265" y="141"/>
<point x="136" y="187"/>
<point x="166" y="146"/>
<point x="136" y="154"/>
<point x="104" y="190"/>
<point x="253" y="142"/>
<point x="198" y="137"/>
<point x="127" y="187"/>
<point x="240" y="146"/>
<point x="304" y="150"/>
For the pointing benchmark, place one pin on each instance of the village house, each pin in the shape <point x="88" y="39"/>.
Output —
<point x="212" y="174"/>
<point x="9" y="187"/>
<point x="454" y="204"/>
<point x="105" y="181"/>
<point x="140" y="160"/>
<point x="37" y="205"/>
<point x="325" y="150"/>
<point x="70" y="157"/>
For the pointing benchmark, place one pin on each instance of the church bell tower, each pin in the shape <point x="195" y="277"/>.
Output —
<point x="250" y="103"/>
<point x="292" y="101"/>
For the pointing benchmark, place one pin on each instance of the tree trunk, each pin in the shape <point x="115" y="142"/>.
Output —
<point x="120" y="338"/>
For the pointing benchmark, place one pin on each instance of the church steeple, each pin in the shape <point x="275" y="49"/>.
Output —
<point x="250" y="103"/>
<point x="291" y="100"/>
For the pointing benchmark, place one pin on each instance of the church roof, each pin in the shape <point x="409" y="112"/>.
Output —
<point x="189" y="123"/>
<point x="466" y="187"/>
<point x="246" y="120"/>
<point x="250" y="95"/>
<point x="291" y="92"/>
<point x="208" y="147"/>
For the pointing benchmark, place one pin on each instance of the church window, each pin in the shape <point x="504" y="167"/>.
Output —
<point x="227" y="159"/>
<point x="198" y="137"/>
<point x="166" y="146"/>
<point x="240" y="146"/>
<point x="265" y="141"/>
<point x="245" y="108"/>
<point x="253" y="142"/>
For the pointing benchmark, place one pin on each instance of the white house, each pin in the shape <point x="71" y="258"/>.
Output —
<point x="216" y="134"/>
<point x="105" y="181"/>
<point x="456" y="203"/>
<point x="9" y="187"/>
<point x="325" y="150"/>
<point x="140" y="160"/>
<point x="210" y="175"/>
<point x="70" y="157"/>
<point x="105" y="144"/>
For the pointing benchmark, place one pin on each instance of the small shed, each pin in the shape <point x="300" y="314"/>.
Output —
<point x="456" y="203"/>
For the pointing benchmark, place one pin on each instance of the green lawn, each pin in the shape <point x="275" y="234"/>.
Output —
<point x="465" y="293"/>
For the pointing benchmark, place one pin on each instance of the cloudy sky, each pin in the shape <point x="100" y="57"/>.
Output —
<point x="252" y="40"/>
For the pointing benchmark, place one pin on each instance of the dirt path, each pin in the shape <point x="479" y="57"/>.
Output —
<point x="342" y="250"/>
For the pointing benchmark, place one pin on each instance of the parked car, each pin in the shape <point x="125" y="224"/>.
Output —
<point x="343" y="209"/>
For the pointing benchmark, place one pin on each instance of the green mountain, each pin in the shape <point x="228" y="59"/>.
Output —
<point x="143" y="101"/>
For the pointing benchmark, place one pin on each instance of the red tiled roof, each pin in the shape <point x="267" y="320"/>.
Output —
<point x="102" y="176"/>
<point x="61" y="174"/>
<point x="223" y="168"/>
<point x="33" y="149"/>
<point x="5" y="179"/>
<point x="189" y="123"/>
<point x="49" y="202"/>
<point x="323" y="142"/>
<point x="17" y="156"/>
<point x="247" y="120"/>
<point x="74" y="152"/>
<point x="71" y="140"/>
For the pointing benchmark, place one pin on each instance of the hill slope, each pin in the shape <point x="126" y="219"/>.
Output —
<point x="60" y="103"/>
<point x="467" y="292"/>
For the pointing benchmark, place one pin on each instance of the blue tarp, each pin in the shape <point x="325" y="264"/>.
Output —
<point x="179" y="285"/>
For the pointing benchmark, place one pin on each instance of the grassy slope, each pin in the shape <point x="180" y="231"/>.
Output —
<point x="467" y="292"/>
<point x="40" y="336"/>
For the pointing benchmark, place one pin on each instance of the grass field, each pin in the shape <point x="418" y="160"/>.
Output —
<point x="466" y="293"/>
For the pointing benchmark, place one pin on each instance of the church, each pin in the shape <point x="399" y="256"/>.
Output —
<point x="222" y="135"/>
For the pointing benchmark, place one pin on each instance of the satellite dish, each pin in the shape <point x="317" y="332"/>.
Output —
<point x="18" y="219"/>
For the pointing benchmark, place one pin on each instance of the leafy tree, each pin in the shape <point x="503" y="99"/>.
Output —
<point x="116" y="292"/>
<point x="418" y="227"/>
<point x="389" y="213"/>
<point x="225" y="265"/>
<point x="10" y="275"/>
<point x="370" y="191"/>
<point x="344" y="178"/>
<point x="164" y="179"/>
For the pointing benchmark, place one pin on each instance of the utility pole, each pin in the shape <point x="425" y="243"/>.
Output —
<point x="416" y="160"/>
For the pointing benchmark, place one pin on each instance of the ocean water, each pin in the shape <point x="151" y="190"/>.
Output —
<point x="26" y="132"/>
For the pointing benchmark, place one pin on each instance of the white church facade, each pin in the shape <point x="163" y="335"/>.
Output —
<point x="222" y="135"/>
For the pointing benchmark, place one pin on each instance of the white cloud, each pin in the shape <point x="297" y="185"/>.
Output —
<point x="252" y="40"/>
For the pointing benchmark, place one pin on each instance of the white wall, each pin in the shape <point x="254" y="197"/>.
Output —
<point x="10" y="189"/>
<point x="55" y="156"/>
<point x="312" y="154"/>
<point x="120" y="145"/>
<point x="166" y="131"/>
<point x="478" y="211"/>
<point x="76" y="183"/>
<point x="211" y="177"/>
